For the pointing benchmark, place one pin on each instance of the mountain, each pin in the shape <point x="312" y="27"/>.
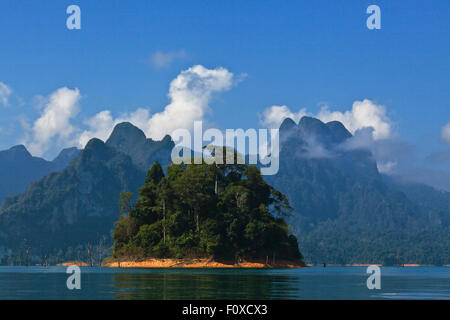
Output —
<point x="435" y="202"/>
<point x="62" y="212"/>
<point x="65" y="157"/>
<point x="73" y="206"/>
<point x="18" y="168"/>
<point x="132" y="141"/>
<point x="344" y="210"/>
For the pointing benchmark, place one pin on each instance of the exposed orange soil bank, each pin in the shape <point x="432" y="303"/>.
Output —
<point x="199" y="263"/>
<point x="362" y="265"/>
<point x="73" y="263"/>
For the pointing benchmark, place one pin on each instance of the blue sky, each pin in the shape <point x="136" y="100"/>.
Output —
<point x="299" y="54"/>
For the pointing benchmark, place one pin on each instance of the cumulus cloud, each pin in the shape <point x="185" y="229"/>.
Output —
<point x="368" y="122"/>
<point x="363" y="114"/>
<point x="273" y="117"/>
<point x="54" y="121"/>
<point x="102" y="124"/>
<point x="5" y="92"/>
<point x="445" y="133"/>
<point x="162" y="59"/>
<point x="190" y="94"/>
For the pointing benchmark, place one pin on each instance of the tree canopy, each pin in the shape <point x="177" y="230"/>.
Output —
<point x="205" y="210"/>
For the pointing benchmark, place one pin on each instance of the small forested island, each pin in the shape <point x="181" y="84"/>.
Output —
<point x="204" y="215"/>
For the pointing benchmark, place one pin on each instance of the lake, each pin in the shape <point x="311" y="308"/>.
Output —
<point x="305" y="283"/>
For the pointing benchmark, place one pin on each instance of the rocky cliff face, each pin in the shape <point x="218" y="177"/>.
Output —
<point x="18" y="168"/>
<point x="79" y="204"/>
<point x="74" y="205"/>
<point x="144" y="152"/>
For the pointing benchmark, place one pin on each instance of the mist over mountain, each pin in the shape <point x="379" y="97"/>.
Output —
<point x="18" y="168"/>
<point x="64" y="211"/>
<point x="345" y="211"/>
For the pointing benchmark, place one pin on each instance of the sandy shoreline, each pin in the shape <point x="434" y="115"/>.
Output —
<point x="208" y="263"/>
<point x="198" y="263"/>
<point x="73" y="263"/>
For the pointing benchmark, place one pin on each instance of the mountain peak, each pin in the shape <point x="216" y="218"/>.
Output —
<point x="306" y="121"/>
<point x="167" y="139"/>
<point x="126" y="132"/>
<point x="65" y="156"/>
<point x="94" y="143"/>
<point x="333" y="132"/>
<point x="96" y="150"/>
<point x="311" y="126"/>
<point x="68" y="152"/>
<point x="287" y="124"/>
<point x="18" y="151"/>
<point x="338" y="131"/>
<point x="19" y="148"/>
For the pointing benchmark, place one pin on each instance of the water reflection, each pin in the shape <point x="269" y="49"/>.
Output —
<point x="203" y="285"/>
<point x="187" y="284"/>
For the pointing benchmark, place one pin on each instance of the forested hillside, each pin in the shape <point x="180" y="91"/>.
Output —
<point x="221" y="212"/>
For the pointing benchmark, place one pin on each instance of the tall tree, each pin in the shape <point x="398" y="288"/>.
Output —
<point x="183" y="215"/>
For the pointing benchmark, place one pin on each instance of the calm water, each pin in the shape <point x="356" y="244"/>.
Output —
<point x="307" y="283"/>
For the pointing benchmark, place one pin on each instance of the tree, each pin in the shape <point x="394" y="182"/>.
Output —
<point x="155" y="174"/>
<point x="206" y="210"/>
<point x="126" y="203"/>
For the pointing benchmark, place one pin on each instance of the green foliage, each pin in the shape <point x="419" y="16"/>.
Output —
<point x="428" y="246"/>
<point x="125" y="202"/>
<point x="217" y="211"/>
<point x="72" y="207"/>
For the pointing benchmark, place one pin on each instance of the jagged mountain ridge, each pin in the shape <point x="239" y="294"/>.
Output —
<point x="18" y="168"/>
<point x="132" y="141"/>
<point x="338" y="194"/>
<point x="80" y="203"/>
<point x="343" y="208"/>
<point x="323" y="179"/>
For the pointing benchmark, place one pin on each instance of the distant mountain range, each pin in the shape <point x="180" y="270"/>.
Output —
<point x="345" y="211"/>
<point x="18" y="168"/>
<point x="65" y="210"/>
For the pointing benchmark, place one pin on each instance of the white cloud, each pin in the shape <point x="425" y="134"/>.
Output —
<point x="5" y="92"/>
<point x="445" y="133"/>
<point x="274" y="116"/>
<point x="103" y="123"/>
<point x="190" y="94"/>
<point x="54" y="122"/>
<point x="364" y="114"/>
<point x="315" y="150"/>
<point x="163" y="59"/>
<point x="367" y="121"/>
<point x="386" y="167"/>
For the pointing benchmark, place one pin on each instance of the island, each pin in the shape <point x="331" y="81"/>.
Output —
<point x="205" y="216"/>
